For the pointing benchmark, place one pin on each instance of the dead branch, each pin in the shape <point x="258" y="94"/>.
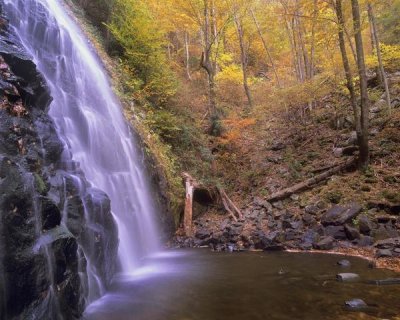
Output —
<point x="228" y="202"/>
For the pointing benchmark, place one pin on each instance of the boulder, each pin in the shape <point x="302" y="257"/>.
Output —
<point x="384" y="253"/>
<point x="365" y="224"/>
<point x="337" y="232"/>
<point x="347" y="276"/>
<point x="351" y="232"/>
<point x="326" y="243"/>
<point x="339" y="215"/>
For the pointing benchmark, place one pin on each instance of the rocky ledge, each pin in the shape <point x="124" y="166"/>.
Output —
<point x="56" y="231"/>
<point x="270" y="226"/>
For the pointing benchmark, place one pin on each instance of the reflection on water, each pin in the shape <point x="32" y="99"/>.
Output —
<point x="202" y="285"/>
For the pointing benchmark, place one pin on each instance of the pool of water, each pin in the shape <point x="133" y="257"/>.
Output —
<point x="205" y="285"/>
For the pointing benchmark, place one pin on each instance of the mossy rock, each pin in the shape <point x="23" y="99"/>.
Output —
<point x="392" y="196"/>
<point x="365" y="188"/>
<point x="334" y="196"/>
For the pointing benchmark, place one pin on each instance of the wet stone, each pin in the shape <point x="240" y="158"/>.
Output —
<point x="345" y="277"/>
<point x="344" y="263"/>
<point x="356" y="304"/>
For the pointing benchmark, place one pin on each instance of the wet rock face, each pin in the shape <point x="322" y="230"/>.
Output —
<point x="52" y="223"/>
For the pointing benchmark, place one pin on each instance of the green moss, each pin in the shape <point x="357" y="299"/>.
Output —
<point x="392" y="196"/>
<point x="334" y="196"/>
<point x="40" y="185"/>
<point x="365" y="188"/>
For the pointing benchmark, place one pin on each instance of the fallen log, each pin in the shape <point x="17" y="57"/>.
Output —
<point x="285" y="193"/>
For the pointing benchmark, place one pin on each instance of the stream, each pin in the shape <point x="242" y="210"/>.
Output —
<point x="205" y="285"/>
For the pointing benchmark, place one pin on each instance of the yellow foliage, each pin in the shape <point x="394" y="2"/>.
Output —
<point x="390" y="57"/>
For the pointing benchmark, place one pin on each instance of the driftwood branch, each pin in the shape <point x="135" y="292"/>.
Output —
<point x="229" y="205"/>
<point x="282" y="194"/>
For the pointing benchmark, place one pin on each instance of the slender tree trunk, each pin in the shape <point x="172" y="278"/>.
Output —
<point x="353" y="50"/>
<point x="243" y="59"/>
<point x="266" y="48"/>
<point x="347" y="70"/>
<point x="208" y="66"/>
<point x="378" y="53"/>
<point x="365" y="103"/>
<point x="312" y="58"/>
<point x="187" y="55"/>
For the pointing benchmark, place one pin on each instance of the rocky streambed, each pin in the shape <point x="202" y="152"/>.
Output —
<point x="272" y="226"/>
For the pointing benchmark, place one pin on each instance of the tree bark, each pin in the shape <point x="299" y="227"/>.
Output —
<point x="243" y="59"/>
<point x="347" y="70"/>
<point x="208" y="66"/>
<point x="379" y="55"/>
<point x="365" y="103"/>
<point x="187" y="56"/>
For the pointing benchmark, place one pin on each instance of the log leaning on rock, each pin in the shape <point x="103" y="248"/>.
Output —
<point x="282" y="194"/>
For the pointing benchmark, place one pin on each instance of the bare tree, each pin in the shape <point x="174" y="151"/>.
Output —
<point x="365" y="103"/>
<point x="375" y="39"/>
<point x="243" y="57"/>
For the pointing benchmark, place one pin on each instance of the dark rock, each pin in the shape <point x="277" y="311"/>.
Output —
<point x="344" y="263"/>
<point x="365" y="241"/>
<point x="312" y="209"/>
<point x="326" y="243"/>
<point x="339" y="215"/>
<point x="365" y="224"/>
<point x="309" y="238"/>
<point x="308" y="219"/>
<point x="383" y="253"/>
<point x="351" y="232"/>
<point x="356" y="304"/>
<point x="278" y="146"/>
<point x="388" y="243"/>
<point x="381" y="233"/>
<point x="43" y="264"/>
<point x="336" y="232"/>
<point x="278" y="205"/>
<point x="345" y="277"/>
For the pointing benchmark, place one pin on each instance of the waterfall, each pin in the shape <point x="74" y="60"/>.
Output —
<point x="89" y="118"/>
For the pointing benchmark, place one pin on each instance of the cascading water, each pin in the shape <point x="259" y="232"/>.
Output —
<point x="89" y="118"/>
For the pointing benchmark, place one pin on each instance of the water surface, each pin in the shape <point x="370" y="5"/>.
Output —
<point x="203" y="285"/>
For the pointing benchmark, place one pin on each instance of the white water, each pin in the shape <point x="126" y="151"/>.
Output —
<point x="89" y="117"/>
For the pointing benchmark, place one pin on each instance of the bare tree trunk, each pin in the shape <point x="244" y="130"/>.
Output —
<point x="243" y="59"/>
<point x="353" y="50"/>
<point x="187" y="55"/>
<point x="208" y="66"/>
<point x="347" y="70"/>
<point x="190" y="185"/>
<point x="365" y="103"/>
<point x="266" y="48"/>
<point x="312" y="58"/>
<point x="378" y="53"/>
